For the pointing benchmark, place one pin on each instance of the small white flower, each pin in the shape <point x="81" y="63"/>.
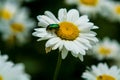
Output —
<point x="102" y="72"/>
<point x="11" y="71"/>
<point x="67" y="33"/>
<point x="18" y="29"/>
<point x="111" y="11"/>
<point x="8" y="8"/>
<point x="89" y="7"/>
<point x="106" y="49"/>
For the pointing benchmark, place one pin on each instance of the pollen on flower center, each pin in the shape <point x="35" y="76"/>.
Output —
<point x="105" y="77"/>
<point x="17" y="27"/>
<point x="117" y="9"/>
<point x="5" y="14"/>
<point x="67" y="31"/>
<point x="89" y="2"/>
<point x="104" y="50"/>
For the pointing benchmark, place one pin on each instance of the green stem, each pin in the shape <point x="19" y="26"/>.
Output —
<point x="57" y="67"/>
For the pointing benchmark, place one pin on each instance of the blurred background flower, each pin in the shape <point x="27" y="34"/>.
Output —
<point x="106" y="49"/>
<point x="25" y="49"/>
<point x="9" y="70"/>
<point x="89" y="7"/>
<point x="15" y="23"/>
<point x="8" y="9"/>
<point x="102" y="72"/>
<point x="111" y="11"/>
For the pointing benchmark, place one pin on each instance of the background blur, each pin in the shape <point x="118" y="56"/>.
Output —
<point x="40" y="65"/>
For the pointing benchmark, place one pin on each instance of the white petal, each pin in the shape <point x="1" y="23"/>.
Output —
<point x="50" y="15"/>
<point x="70" y="46"/>
<point x="75" y="55"/>
<point x="40" y="34"/>
<point x="88" y="75"/>
<point x="8" y="65"/>
<point x="57" y="45"/>
<point x="43" y="23"/>
<point x="61" y="45"/>
<point x="64" y="53"/>
<point x="85" y="42"/>
<point x="80" y="57"/>
<point x="103" y="68"/>
<point x="86" y="27"/>
<point x="79" y="48"/>
<point x="76" y="49"/>
<point x="40" y="29"/>
<point x="82" y="19"/>
<point x="44" y="38"/>
<point x="89" y="34"/>
<point x="72" y="15"/>
<point x="91" y="39"/>
<point x="95" y="27"/>
<point x="52" y="42"/>
<point x="46" y="19"/>
<point x="80" y="45"/>
<point x="62" y="14"/>
<point x="67" y="45"/>
<point x="96" y="70"/>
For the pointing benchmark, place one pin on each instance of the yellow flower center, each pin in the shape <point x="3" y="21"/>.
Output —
<point x="17" y="27"/>
<point x="89" y="2"/>
<point x="5" y="14"/>
<point x="1" y="78"/>
<point x="105" y="77"/>
<point x="104" y="50"/>
<point x="67" y="31"/>
<point x="117" y="9"/>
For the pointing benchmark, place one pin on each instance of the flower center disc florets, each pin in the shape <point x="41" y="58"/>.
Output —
<point x="105" y="77"/>
<point x="89" y="2"/>
<point x="117" y="9"/>
<point x="17" y="27"/>
<point x="104" y="50"/>
<point x="5" y="14"/>
<point x="67" y="31"/>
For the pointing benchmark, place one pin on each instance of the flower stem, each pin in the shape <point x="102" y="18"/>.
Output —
<point x="57" y="67"/>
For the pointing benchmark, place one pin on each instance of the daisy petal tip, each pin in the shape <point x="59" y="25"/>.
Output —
<point x="95" y="27"/>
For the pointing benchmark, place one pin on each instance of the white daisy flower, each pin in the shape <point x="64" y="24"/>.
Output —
<point x="8" y="9"/>
<point x="111" y="11"/>
<point x="102" y="72"/>
<point x="106" y="49"/>
<point x="19" y="28"/>
<point x="67" y="33"/>
<point x="89" y="7"/>
<point x="10" y="71"/>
